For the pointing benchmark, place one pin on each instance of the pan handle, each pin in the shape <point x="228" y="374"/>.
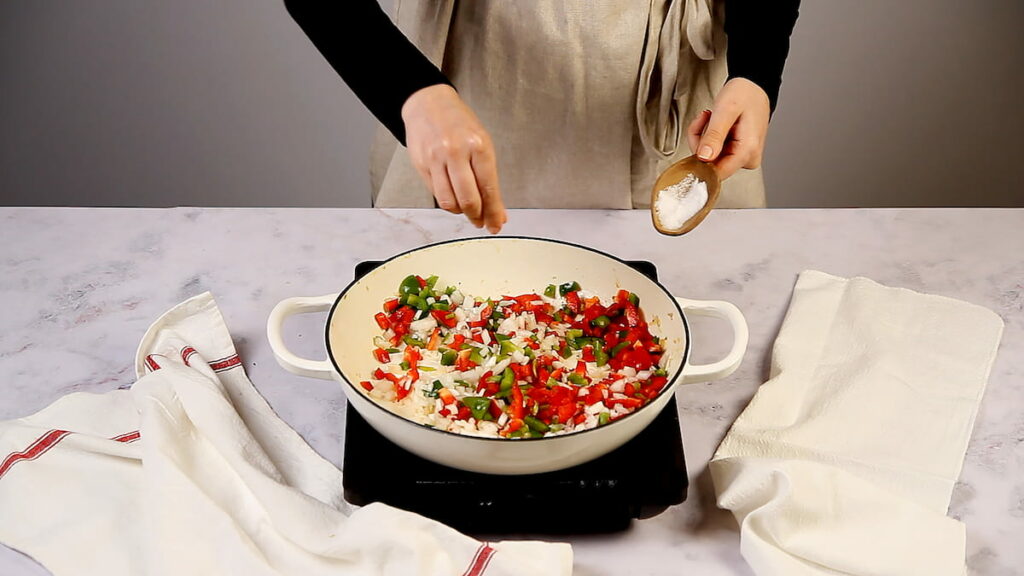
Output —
<point x="729" y="364"/>
<point x="286" y="358"/>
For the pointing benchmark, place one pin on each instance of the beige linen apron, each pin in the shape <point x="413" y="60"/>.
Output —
<point x="586" y="100"/>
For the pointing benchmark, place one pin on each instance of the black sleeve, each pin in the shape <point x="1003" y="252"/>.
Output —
<point x="370" y="53"/>
<point x="758" y="32"/>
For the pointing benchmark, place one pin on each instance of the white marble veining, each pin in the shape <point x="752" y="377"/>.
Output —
<point x="79" y="286"/>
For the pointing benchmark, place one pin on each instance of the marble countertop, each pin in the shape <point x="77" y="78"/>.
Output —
<point x="79" y="286"/>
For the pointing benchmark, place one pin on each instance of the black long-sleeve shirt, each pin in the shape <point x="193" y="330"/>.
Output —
<point x="383" y="68"/>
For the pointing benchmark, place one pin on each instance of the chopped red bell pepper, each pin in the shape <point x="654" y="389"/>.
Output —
<point x="588" y="353"/>
<point x="381" y="355"/>
<point x="367" y="385"/>
<point x="565" y="411"/>
<point x="627" y="402"/>
<point x="403" y="387"/>
<point x="595" y="394"/>
<point x="633" y="318"/>
<point x="445" y="318"/>
<point x="382" y="320"/>
<point x="517" y="408"/>
<point x="435" y="339"/>
<point x="391" y="305"/>
<point x="572" y="301"/>
<point x="494" y="409"/>
<point x="446" y="396"/>
<point x="462" y="361"/>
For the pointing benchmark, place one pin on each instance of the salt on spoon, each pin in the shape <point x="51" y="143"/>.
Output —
<point x="684" y="195"/>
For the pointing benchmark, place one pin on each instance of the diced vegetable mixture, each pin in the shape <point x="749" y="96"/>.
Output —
<point x="515" y="366"/>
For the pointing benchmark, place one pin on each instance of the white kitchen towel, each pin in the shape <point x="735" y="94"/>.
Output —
<point x="845" y="459"/>
<point x="190" y="472"/>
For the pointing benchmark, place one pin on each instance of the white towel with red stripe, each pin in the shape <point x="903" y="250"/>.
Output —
<point x="190" y="472"/>
<point x="845" y="460"/>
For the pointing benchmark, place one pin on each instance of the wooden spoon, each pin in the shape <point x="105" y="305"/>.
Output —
<point x="677" y="173"/>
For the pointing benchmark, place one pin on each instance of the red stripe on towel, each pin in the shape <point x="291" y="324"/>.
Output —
<point x="187" y="353"/>
<point x="480" y="560"/>
<point x="35" y="450"/>
<point x="226" y="364"/>
<point x="128" y="437"/>
<point x="153" y="366"/>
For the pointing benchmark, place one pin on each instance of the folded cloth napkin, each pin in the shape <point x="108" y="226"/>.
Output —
<point x="191" y="472"/>
<point x="845" y="459"/>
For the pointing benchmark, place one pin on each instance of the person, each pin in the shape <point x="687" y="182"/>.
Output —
<point x="588" y="100"/>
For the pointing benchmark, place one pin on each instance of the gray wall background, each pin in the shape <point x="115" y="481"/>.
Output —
<point x="190" y="102"/>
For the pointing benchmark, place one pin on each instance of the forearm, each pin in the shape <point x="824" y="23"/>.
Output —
<point x="758" y="32"/>
<point x="381" y="66"/>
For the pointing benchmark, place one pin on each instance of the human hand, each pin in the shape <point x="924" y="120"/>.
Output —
<point x="732" y="134"/>
<point x="454" y="155"/>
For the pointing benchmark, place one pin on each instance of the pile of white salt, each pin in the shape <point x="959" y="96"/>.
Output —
<point x="679" y="202"/>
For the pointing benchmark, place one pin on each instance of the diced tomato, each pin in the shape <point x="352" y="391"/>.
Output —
<point x="630" y="390"/>
<point x="457" y="341"/>
<point x="580" y="419"/>
<point x="637" y="358"/>
<point x="378" y="374"/>
<point x="382" y="320"/>
<point x="391" y="305"/>
<point x="446" y="396"/>
<point x="581" y="368"/>
<point x="423" y="283"/>
<point x="595" y="394"/>
<point x="367" y="385"/>
<point x="543" y="317"/>
<point x="381" y="355"/>
<point x="514" y="424"/>
<point x="464" y="413"/>
<point x="478" y="336"/>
